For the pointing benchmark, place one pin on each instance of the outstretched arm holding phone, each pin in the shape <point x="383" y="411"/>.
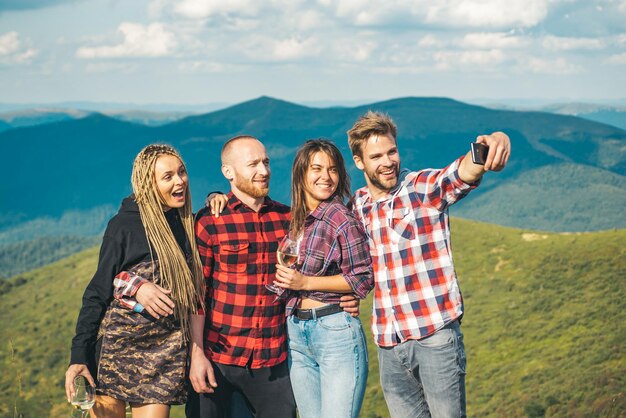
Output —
<point x="499" y="151"/>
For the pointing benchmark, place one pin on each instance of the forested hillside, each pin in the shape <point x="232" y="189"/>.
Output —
<point x="544" y="326"/>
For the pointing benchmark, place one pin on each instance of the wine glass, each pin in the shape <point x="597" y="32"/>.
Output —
<point x="287" y="255"/>
<point x="84" y="396"/>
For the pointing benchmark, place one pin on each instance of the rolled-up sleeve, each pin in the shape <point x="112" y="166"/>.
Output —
<point x="441" y="188"/>
<point x="356" y="262"/>
<point x="125" y="287"/>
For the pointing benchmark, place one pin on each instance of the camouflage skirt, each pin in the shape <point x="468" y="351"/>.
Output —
<point x="142" y="359"/>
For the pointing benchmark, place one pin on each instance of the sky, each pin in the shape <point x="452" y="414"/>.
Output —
<point x="228" y="51"/>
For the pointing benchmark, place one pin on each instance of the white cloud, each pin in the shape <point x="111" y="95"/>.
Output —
<point x="25" y="56"/>
<point x="555" y="66"/>
<point x="201" y="9"/>
<point x="430" y="41"/>
<point x="619" y="59"/>
<point x="107" y="67"/>
<point x="294" y="48"/>
<point x="15" y="51"/>
<point x="309" y="20"/>
<point x="242" y="24"/>
<point x="243" y="15"/>
<point x="288" y="49"/>
<point x="9" y="43"/>
<point x="487" y="14"/>
<point x="156" y="8"/>
<point x="620" y="39"/>
<point x="352" y="51"/>
<point x="193" y="67"/>
<point x="557" y="43"/>
<point x="353" y="8"/>
<point x="492" y="40"/>
<point x="138" y="41"/>
<point x="472" y="61"/>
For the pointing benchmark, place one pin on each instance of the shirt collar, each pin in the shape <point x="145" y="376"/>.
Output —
<point x="322" y="208"/>
<point x="234" y="203"/>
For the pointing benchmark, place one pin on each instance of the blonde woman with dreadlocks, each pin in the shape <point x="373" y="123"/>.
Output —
<point x="133" y="327"/>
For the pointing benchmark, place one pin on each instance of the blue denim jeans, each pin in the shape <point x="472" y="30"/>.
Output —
<point x="425" y="378"/>
<point x="327" y="365"/>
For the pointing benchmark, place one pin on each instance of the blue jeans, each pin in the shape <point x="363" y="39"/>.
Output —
<point x="425" y="378"/>
<point x="327" y="365"/>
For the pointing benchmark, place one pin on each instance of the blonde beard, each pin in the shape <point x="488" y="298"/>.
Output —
<point x="374" y="179"/>
<point x="246" y="187"/>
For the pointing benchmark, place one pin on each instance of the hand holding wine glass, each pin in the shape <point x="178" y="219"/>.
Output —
<point x="84" y="396"/>
<point x="287" y="255"/>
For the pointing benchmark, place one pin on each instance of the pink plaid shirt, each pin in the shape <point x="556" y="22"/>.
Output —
<point x="333" y="243"/>
<point x="125" y="287"/>
<point x="416" y="291"/>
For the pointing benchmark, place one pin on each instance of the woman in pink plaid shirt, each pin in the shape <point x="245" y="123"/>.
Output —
<point x="327" y="350"/>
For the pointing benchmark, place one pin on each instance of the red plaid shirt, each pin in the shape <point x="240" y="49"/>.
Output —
<point x="416" y="291"/>
<point x="245" y="323"/>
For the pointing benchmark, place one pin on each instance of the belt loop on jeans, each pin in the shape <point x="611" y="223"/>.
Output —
<point x="315" y="313"/>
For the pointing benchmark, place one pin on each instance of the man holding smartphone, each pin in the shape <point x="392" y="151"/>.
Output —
<point x="417" y="300"/>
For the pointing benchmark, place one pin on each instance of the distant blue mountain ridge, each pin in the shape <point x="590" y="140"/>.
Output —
<point x="561" y="165"/>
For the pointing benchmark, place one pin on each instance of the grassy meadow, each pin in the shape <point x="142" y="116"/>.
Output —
<point x="545" y="326"/>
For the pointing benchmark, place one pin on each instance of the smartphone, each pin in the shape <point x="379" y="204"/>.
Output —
<point x="479" y="153"/>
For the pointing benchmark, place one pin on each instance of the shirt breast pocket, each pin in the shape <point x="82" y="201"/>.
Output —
<point x="234" y="256"/>
<point x="403" y="223"/>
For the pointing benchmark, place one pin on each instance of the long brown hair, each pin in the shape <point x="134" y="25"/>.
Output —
<point x="185" y="281"/>
<point x="301" y="164"/>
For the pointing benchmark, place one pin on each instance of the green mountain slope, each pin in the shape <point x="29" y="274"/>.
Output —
<point x="85" y="223"/>
<point x="26" y="255"/>
<point x="557" y="197"/>
<point x="81" y="164"/>
<point x="544" y="326"/>
<point x="35" y="243"/>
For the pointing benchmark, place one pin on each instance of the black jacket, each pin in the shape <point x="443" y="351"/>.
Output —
<point x="124" y="244"/>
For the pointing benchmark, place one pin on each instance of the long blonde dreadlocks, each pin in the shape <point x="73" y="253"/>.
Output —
<point x="186" y="282"/>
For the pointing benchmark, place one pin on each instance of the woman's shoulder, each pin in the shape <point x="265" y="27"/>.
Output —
<point x="338" y="215"/>
<point x="127" y="218"/>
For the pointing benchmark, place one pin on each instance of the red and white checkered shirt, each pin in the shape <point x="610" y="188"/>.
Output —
<point x="244" y="322"/>
<point x="416" y="291"/>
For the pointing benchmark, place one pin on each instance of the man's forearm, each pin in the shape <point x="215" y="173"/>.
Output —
<point x="197" y="334"/>
<point x="470" y="172"/>
<point x="499" y="145"/>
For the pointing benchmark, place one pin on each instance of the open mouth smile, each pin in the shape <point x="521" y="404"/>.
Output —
<point x="388" y="173"/>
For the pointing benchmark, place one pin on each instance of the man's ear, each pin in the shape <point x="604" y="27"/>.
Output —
<point x="358" y="162"/>
<point x="227" y="171"/>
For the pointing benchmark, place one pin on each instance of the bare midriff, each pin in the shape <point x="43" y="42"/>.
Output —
<point x="310" y="303"/>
